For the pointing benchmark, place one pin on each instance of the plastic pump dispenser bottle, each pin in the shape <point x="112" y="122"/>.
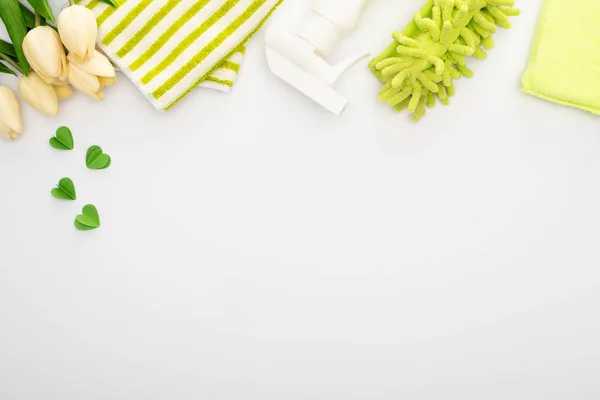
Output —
<point x="300" y="60"/>
<point x="330" y="22"/>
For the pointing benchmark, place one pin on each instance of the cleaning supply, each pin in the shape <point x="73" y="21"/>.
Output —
<point x="422" y="63"/>
<point x="169" y="47"/>
<point x="564" y="63"/>
<point x="299" y="60"/>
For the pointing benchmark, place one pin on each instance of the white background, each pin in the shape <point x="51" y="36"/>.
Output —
<point x="254" y="247"/>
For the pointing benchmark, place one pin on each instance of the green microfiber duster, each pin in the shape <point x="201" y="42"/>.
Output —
<point x="424" y="59"/>
<point x="564" y="63"/>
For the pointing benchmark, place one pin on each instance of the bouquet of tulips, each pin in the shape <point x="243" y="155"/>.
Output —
<point x="49" y="59"/>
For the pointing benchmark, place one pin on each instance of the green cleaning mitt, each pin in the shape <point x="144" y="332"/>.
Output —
<point x="564" y="63"/>
<point x="424" y="59"/>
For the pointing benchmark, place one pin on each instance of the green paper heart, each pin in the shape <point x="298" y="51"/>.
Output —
<point x="96" y="159"/>
<point x="63" y="139"/>
<point x="88" y="219"/>
<point x="65" y="190"/>
<point x="90" y="151"/>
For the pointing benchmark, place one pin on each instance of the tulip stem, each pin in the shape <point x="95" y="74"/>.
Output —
<point x="38" y="20"/>
<point x="11" y="62"/>
<point x="71" y="2"/>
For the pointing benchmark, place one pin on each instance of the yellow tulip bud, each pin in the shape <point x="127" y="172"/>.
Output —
<point x="85" y="82"/>
<point x="78" y="31"/>
<point x="61" y="82"/>
<point x="63" y="91"/>
<point x="10" y="114"/>
<point x="45" y="53"/>
<point x="104" y="81"/>
<point x="39" y="94"/>
<point x="97" y="65"/>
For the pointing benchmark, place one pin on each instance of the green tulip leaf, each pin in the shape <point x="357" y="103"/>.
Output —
<point x="10" y="12"/>
<point x="63" y="139"/>
<point x="43" y="8"/>
<point x="8" y="51"/>
<point x="5" y="70"/>
<point x="7" y="48"/>
<point x="65" y="190"/>
<point x="88" y="219"/>
<point x="28" y="17"/>
<point x="96" y="159"/>
<point x="111" y="2"/>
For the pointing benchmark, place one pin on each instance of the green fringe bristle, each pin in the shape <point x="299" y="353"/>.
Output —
<point x="431" y="53"/>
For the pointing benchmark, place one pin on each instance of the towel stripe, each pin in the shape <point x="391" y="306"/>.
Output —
<point x="164" y="38"/>
<point x="141" y="34"/>
<point x="240" y="49"/>
<point x="117" y="30"/>
<point x="219" y="81"/>
<point x="231" y="66"/>
<point x="191" y="38"/>
<point x="106" y="14"/>
<point x="169" y="47"/>
<point x="198" y="58"/>
<point x="93" y="4"/>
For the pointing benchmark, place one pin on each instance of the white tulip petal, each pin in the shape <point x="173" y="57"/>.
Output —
<point x="105" y="81"/>
<point x="98" y="65"/>
<point x="63" y="91"/>
<point x="39" y="94"/>
<point x="61" y="82"/>
<point x="83" y="81"/>
<point x="92" y="31"/>
<point x="64" y="68"/>
<point x="44" y="52"/>
<point x="10" y="113"/>
<point x="78" y="31"/>
<point x="6" y="132"/>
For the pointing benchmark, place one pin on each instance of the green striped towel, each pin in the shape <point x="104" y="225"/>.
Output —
<point x="169" y="47"/>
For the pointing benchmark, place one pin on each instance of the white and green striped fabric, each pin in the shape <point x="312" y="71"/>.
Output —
<point x="169" y="47"/>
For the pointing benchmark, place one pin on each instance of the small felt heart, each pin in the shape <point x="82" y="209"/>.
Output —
<point x="65" y="190"/>
<point x="81" y="227"/>
<point x="63" y="139"/>
<point x="96" y="159"/>
<point x="88" y="219"/>
<point x="90" y="151"/>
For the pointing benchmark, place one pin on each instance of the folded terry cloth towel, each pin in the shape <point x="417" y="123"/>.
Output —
<point x="168" y="47"/>
<point x="564" y="63"/>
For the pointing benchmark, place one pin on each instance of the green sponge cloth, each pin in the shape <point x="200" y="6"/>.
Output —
<point x="424" y="59"/>
<point x="564" y="63"/>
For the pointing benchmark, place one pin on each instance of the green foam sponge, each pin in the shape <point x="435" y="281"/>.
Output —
<point x="424" y="59"/>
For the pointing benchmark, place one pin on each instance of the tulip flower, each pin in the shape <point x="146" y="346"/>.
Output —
<point x="91" y="75"/>
<point x="45" y="53"/>
<point x="85" y="82"/>
<point x="39" y="94"/>
<point x="97" y="65"/>
<point x="78" y="31"/>
<point x="104" y="81"/>
<point x="63" y="91"/>
<point x="61" y="82"/>
<point x="10" y="114"/>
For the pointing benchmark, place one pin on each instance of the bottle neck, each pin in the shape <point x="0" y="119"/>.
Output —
<point x="321" y="33"/>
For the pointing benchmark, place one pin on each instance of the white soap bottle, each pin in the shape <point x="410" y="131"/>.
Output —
<point x="331" y="21"/>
